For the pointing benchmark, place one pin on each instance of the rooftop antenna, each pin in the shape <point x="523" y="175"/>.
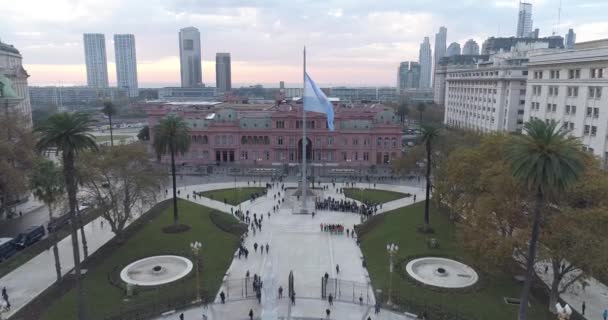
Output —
<point x="559" y="18"/>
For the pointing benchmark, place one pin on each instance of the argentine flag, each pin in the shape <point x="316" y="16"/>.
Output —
<point x="316" y="101"/>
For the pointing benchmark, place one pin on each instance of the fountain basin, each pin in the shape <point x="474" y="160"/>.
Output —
<point x="442" y="272"/>
<point x="156" y="270"/>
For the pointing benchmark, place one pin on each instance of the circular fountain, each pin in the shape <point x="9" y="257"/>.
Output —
<point x="157" y="270"/>
<point x="442" y="272"/>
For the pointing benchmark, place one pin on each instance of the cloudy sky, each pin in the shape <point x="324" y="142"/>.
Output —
<point x="350" y="42"/>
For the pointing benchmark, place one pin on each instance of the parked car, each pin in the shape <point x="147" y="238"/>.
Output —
<point x="30" y="236"/>
<point x="58" y="222"/>
<point x="7" y="248"/>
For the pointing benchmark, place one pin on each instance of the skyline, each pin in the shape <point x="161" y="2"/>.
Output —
<point x="265" y="37"/>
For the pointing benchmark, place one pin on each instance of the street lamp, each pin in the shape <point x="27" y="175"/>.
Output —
<point x="392" y="250"/>
<point x="196" y="249"/>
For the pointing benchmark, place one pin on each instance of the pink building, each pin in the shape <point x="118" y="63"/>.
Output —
<point x="263" y="136"/>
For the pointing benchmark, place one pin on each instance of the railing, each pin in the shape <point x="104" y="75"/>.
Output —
<point x="347" y="291"/>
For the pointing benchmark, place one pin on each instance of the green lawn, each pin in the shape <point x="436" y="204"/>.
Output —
<point x="117" y="138"/>
<point x="400" y="226"/>
<point x="232" y="196"/>
<point x="373" y="195"/>
<point x="216" y="255"/>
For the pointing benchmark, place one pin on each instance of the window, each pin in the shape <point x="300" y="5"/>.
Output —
<point x="330" y="140"/>
<point x="597" y="73"/>
<point x="520" y="111"/>
<point x="379" y="142"/>
<point x="553" y="91"/>
<point x="554" y="108"/>
<point x="571" y="126"/>
<point x="365" y="156"/>
<point x="548" y="107"/>
<point x="572" y="91"/>
<point x="593" y="131"/>
<point x="280" y="124"/>
<point x="554" y="74"/>
<point x="595" y="92"/>
<point x="573" y="110"/>
<point x="344" y="156"/>
<point x="596" y="112"/>
<point x="280" y="140"/>
<point x="587" y="129"/>
<point x="217" y="140"/>
<point x="589" y="111"/>
<point x="243" y="155"/>
<point x="574" y="74"/>
<point x="536" y="90"/>
<point x="355" y="141"/>
<point x="538" y="74"/>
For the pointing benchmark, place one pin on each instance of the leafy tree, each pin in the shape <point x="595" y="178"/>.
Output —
<point x="109" y="110"/>
<point x="144" y="134"/>
<point x="47" y="185"/>
<point x="68" y="134"/>
<point x="545" y="161"/>
<point x="16" y="159"/>
<point x="429" y="135"/>
<point x="117" y="179"/>
<point x="172" y="136"/>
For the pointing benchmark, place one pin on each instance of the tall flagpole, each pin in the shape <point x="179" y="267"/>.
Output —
<point x="304" y="141"/>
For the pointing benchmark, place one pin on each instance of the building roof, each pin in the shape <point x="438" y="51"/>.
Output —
<point x="8" y="48"/>
<point x="591" y="44"/>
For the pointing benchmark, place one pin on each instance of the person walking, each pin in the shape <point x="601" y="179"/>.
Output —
<point x="181" y="316"/>
<point x="605" y="314"/>
<point x="330" y="299"/>
<point x="223" y="297"/>
<point x="377" y="308"/>
<point x="327" y="312"/>
<point x="280" y="292"/>
<point x="337" y="269"/>
<point x="250" y="314"/>
<point x="583" y="307"/>
<point x="267" y="247"/>
<point x="255" y="245"/>
<point x="293" y="298"/>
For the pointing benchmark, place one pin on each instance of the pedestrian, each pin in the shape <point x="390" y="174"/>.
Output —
<point x="330" y="299"/>
<point x="327" y="312"/>
<point x="361" y="300"/>
<point x="280" y="292"/>
<point x="205" y="317"/>
<point x="293" y="298"/>
<point x="326" y="276"/>
<point x="377" y="308"/>
<point x="255" y="245"/>
<point x="223" y="297"/>
<point x="250" y="314"/>
<point x="369" y="318"/>
<point x="414" y="198"/>
<point x="605" y="314"/>
<point x="337" y="269"/>
<point x="546" y="269"/>
<point x="583" y="307"/>
<point x="267" y="248"/>
<point x="181" y="316"/>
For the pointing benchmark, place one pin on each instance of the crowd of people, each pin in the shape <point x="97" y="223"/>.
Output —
<point x="366" y="209"/>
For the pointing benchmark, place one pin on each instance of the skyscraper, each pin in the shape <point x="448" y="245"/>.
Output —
<point x="96" y="60"/>
<point x="408" y="75"/>
<point x="453" y="49"/>
<point x="426" y="63"/>
<point x="570" y="39"/>
<point x="223" y="76"/>
<point x="126" y="63"/>
<point x="470" y="48"/>
<point x="190" y="57"/>
<point x="440" y="46"/>
<point x="524" y="20"/>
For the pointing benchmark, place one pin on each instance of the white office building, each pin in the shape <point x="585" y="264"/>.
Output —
<point x="571" y="86"/>
<point x="11" y="68"/>
<point x="425" y="58"/>
<point x="223" y="76"/>
<point x="96" y="60"/>
<point x="524" y="21"/>
<point x="489" y="96"/>
<point x="190" y="57"/>
<point x="126" y="63"/>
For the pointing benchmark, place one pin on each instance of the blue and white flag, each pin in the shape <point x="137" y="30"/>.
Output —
<point x="316" y="101"/>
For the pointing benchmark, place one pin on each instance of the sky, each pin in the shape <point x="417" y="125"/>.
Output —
<point x="349" y="42"/>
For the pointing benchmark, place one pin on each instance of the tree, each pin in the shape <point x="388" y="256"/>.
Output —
<point x="47" y="184"/>
<point x="109" y="110"/>
<point x="41" y="113"/>
<point x="429" y="135"/>
<point x="68" y="134"/>
<point x="16" y="159"/>
<point x="171" y="136"/>
<point x="545" y="161"/>
<point x="117" y="179"/>
<point x="144" y="134"/>
<point x="403" y="110"/>
<point x="421" y="107"/>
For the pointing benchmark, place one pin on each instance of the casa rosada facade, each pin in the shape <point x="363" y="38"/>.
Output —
<point x="271" y="135"/>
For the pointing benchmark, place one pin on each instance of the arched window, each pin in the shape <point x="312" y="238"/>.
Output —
<point x="394" y="142"/>
<point x="224" y="140"/>
<point x="386" y="141"/>
<point x="379" y="142"/>
<point x="205" y="140"/>
<point x="243" y="140"/>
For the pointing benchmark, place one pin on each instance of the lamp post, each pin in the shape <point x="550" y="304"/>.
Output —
<point x="392" y="250"/>
<point x="196" y="248"/>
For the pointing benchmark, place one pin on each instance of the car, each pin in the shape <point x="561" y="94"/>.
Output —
<point x="57" y="223"/>
<point x="30" y="236"/>
<point x="7" y="248"/>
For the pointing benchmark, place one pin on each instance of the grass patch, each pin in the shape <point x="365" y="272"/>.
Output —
<point x="373" y="195"/>
<point x="117" y="138"/>
<point x="104" y="298"/>
<point x="483" y="302"/>
<point x="233" y="196"/>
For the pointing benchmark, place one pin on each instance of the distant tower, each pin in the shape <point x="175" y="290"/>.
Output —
<point x="570" y="39"/>
<point x="470" y="48"/>
<point x="440" y="47"/>
<point x="223" y="76"/>
<point x="524" y="20"/>
<point x="190" y="57"/>
<point x="453" y="49"/>
<point x="96" y="60"/>
<point x="126" y="63"/>
<point x="426" y="63"/>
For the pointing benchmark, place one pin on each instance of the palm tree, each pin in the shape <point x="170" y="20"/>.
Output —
<point x="429" y="136"/>
<point x="421" y="107"/>
<point x="171" y="136"/>
<point x="47" y="185"/>
<point x="109" y="110"/>
<point x="69" y="135"/>
<point x="545" y="161"/>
